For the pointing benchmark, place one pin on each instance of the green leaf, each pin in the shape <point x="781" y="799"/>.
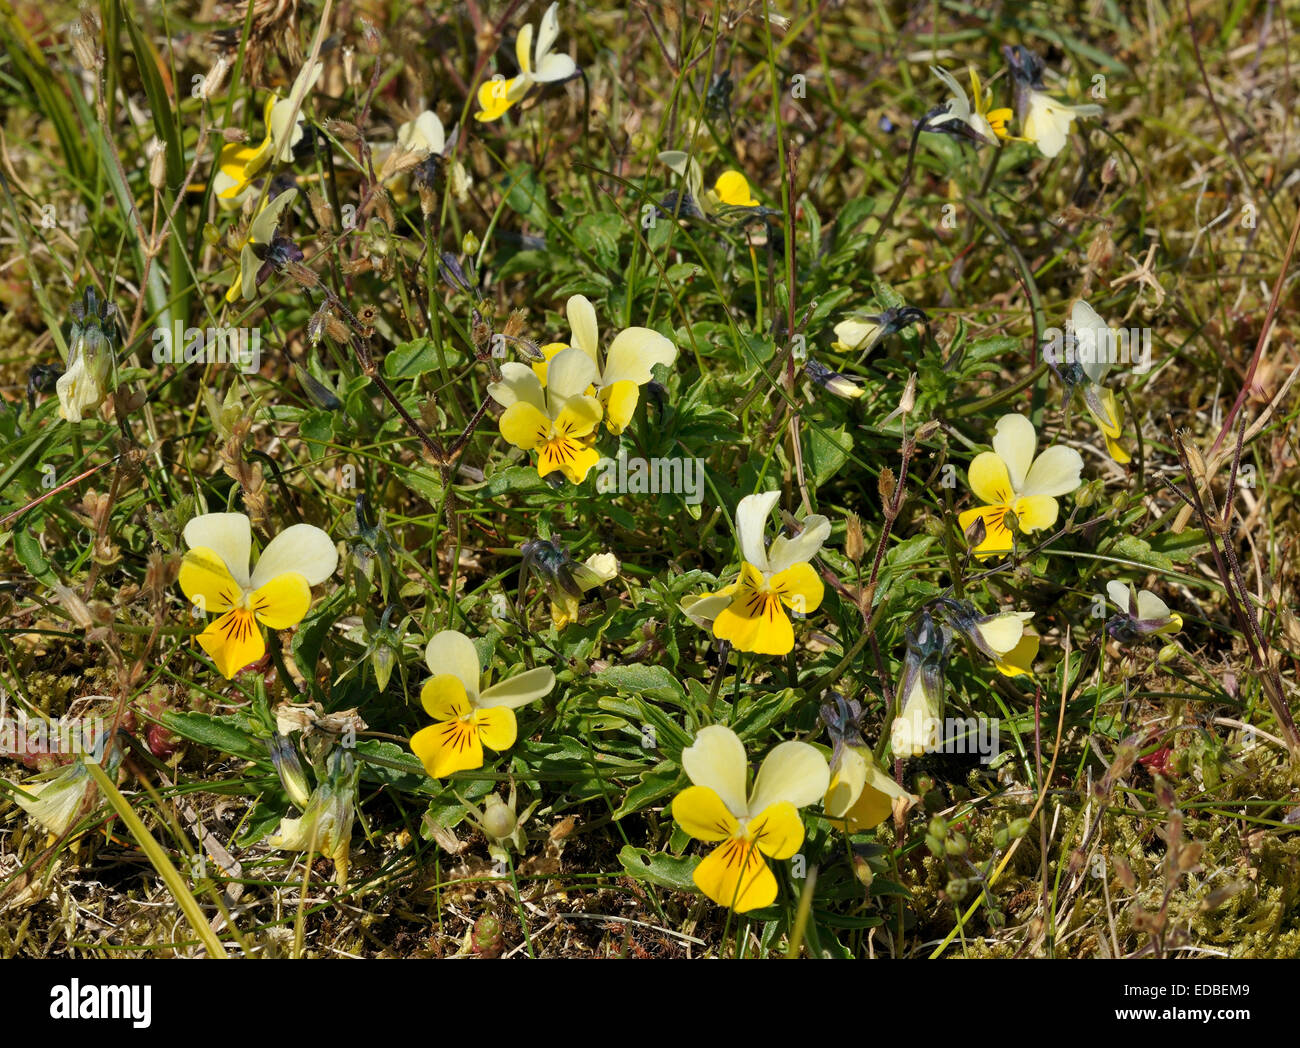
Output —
<point x="828" y="450"/>
<point x="658" y="782"/>
<point x="27" y="548"/>
<point x="666" y="871"/>
<point x="639" y="679"/>
<point x="417" y="357"/>
<point x="226" y="734"/>
<point x="1132" y="548"/>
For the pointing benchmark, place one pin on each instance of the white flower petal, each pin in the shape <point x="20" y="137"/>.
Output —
<point x="916" y="729"/>
<point x="702" y="609"/>
<point x="548" y="29"/>
<point x="452" y="652"/>
<point x="716" y="759"/>
<point x="751" y="524"/>
<point x="633" y="353"/>
<point x="424" y="135"/>
<point x="1055" y="472"/>
<point x="554" y="68"/>
<point x="1150" y="606"/>
<point x="1092" y="341"/>
<point x="800" y="549"/>
<point x="582" y="323"/>
<point x="1015" y="441"/>
<point x="519" y="690"/>
<point x="855" y="334"/>
<point x="303" y="549"/>
<point x="1119" y="594"/>
<point x="262" y="228"/>
<point x="794" y="772"/>
<point x="518" y="383"/>
<point x="568" y="375"/>
<point x="959" y="106"/>
<point x="1002" y="632"/>
<point x="228" y="535"/>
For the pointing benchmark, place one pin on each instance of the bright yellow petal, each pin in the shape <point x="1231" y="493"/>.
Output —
<point x="778" y="830"/>
<point x="548" y="351"/>
<point x="448" y="747"/>
<point x="733" y="188"/>
<point x="497" y="727"/>
<point x="525" y="426"/>
<point x="207" y="582"/>
<point x="734" y="874"/>
<point x="443" y="697"/>
<point x="1036" y="512"/>
<point x="1020" y="659"/>
<point x="282" y="602"/>
<point x="702" y="814"/>
<point x="620" y="402"/>
<point x="997" y="536"/>
<point x="989" y="479"/>
<point x="755" y="621"/>
<point x="572" y="458"/>
<point x="495" y="97"/>
<point x="233" y="642"/>
<point x="578" y="417"/>
<point x="799" y="588"/>
<point x="998" y="120"/>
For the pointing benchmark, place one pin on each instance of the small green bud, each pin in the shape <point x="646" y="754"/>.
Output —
<point x="1018" y="828"/>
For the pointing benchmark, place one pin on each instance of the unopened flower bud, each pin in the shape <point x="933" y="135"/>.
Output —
<point x="287" y="765"/>
<point x="855" y="546"/>
<point x="499" y="819"/>
<point x="156" y="151"/>
<point x="216" y="77"/>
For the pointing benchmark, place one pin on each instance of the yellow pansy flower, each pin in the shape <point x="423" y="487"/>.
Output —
<point x="627" y="365"/>
<point x="854" y="333"/>
<point x="1009" y="640"/>
<point x="763" y="822"/>
<point x="1141" y="613"/>
<point x="537" y="65"/>
<point x="1010" y="480"/>
<point x="56" y="800"/>
<point x="325" y="826"/>
<point x="469" y="718"/>
<point x="919" y="725"/>
<point x="88" y="375"/>
<point x="240" y="163"/>
<point x="1095" y="345"/>
<point x="731" y="189"/>
<point x="982" y="123"/>
<point x="860" y="795"/>
<point x="1047" y="122"/>
<point x="595" y="570"/>
<point x="556" y="419"/>
<point x="750" y="613"/>
<point x="261" y="230"/>
<point x="277" y="593"/>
